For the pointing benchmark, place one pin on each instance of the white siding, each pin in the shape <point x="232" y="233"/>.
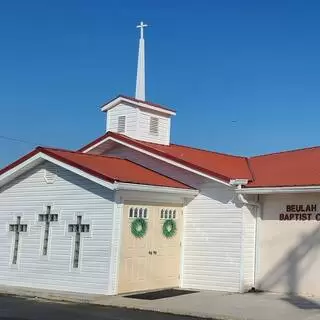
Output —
<point x="249" y="234"/>
<point x="131" y="114"/>
<point x="138" y="123"/>
<point x="70" y="195"/>
<point x="212" y="230"/>
<point x="116" y="244"/>
<point x="144" y="134"/>
<point x="212" y="241"/>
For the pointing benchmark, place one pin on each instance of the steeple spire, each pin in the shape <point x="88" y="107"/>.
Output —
<point x="140" y="84"/>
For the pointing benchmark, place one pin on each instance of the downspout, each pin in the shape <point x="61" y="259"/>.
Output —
<point x="257" y="205"/>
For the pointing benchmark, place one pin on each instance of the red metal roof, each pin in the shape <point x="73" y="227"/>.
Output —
<point x="107" y="168"/>
<point x="220" y="165"/>
<point x="289" y="168"/>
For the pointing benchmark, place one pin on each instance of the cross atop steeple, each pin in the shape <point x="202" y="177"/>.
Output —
<point x="140" y="84"/>
<point x="141" y="26"/>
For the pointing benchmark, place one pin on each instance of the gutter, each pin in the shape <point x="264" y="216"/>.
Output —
<point x="270" y="190"/>
<point x="151" y="188"/>
<point x="239" y="183"/>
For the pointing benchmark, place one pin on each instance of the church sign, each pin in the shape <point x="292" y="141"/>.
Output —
<point x="300" y="212"/>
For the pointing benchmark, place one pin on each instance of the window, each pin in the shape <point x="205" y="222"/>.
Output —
<point x="121" y="123"/>
<point x="17" y="228"/>
<point x="154" y="126"/>
<point x="138" y="213"/>
<point x="78" y="228"/>
<point x="168" y="214"/>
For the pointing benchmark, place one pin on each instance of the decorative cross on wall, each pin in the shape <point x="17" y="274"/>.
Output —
<point x="47" y="218"/>
<point x="78" y="229"/>
<point x="17" y="228"/>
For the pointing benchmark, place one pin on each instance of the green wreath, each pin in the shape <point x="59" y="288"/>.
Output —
<point x="169" y="228"/>
<point x="139" y="227"/>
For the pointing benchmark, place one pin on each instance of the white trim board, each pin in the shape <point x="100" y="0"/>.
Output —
<point x="135" y="103"/>
<point x="269" y="190"/>
<point x="158" y="189"/>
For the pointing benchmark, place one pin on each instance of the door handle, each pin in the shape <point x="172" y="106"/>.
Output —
<point x="150" y="252"/>
<point x="155" y="252"/>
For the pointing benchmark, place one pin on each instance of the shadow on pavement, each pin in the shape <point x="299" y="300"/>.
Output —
<point x="302" y="303"/>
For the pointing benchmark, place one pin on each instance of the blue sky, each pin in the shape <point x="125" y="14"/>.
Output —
<point x="243" y="76"/>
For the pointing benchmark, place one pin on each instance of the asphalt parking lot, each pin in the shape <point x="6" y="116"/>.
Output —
<point x="16" y="308"/>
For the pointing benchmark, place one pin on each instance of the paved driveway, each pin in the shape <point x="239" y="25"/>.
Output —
<point x="12" y="308"/>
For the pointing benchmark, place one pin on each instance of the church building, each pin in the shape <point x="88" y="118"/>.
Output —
<point x="132" y="211"/>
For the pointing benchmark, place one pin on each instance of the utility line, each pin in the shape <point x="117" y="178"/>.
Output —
<point x="18" y="140"/>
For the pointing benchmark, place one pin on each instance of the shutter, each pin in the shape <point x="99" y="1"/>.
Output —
<point x="121" y="123"/>
<point x="154" y="126"/>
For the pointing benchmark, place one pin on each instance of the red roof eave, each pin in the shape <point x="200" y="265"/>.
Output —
<point x="57" y="157"/>
<point x="76" y="165"/>
<point x="158" y="152"/>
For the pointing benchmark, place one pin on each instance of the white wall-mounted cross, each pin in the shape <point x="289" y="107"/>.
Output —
<point x="17" y="228"/>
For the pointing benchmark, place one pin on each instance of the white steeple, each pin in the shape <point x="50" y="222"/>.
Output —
<point x="140" y="84"/>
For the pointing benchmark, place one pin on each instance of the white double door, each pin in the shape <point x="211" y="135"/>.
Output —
<point x="152" y="261"/>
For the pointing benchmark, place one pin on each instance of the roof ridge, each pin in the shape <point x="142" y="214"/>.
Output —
<point x="281" y="152"/>
<point x="181" y="145"/>
<point x="209" y="151"/>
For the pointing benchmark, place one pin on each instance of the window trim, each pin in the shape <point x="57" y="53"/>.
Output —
<point x="168" y="213"/>
<point x="138" y="212"/>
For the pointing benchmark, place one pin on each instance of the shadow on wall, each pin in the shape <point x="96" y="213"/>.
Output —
<point x="287" y="270"/>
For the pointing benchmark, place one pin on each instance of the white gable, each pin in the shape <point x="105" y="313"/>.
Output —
<point x="130" y="122"/>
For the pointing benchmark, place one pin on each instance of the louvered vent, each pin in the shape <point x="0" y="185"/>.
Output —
<point x="50" y="175"/>
<point x="154" y="126"/>
<point x="121" y="123"/>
